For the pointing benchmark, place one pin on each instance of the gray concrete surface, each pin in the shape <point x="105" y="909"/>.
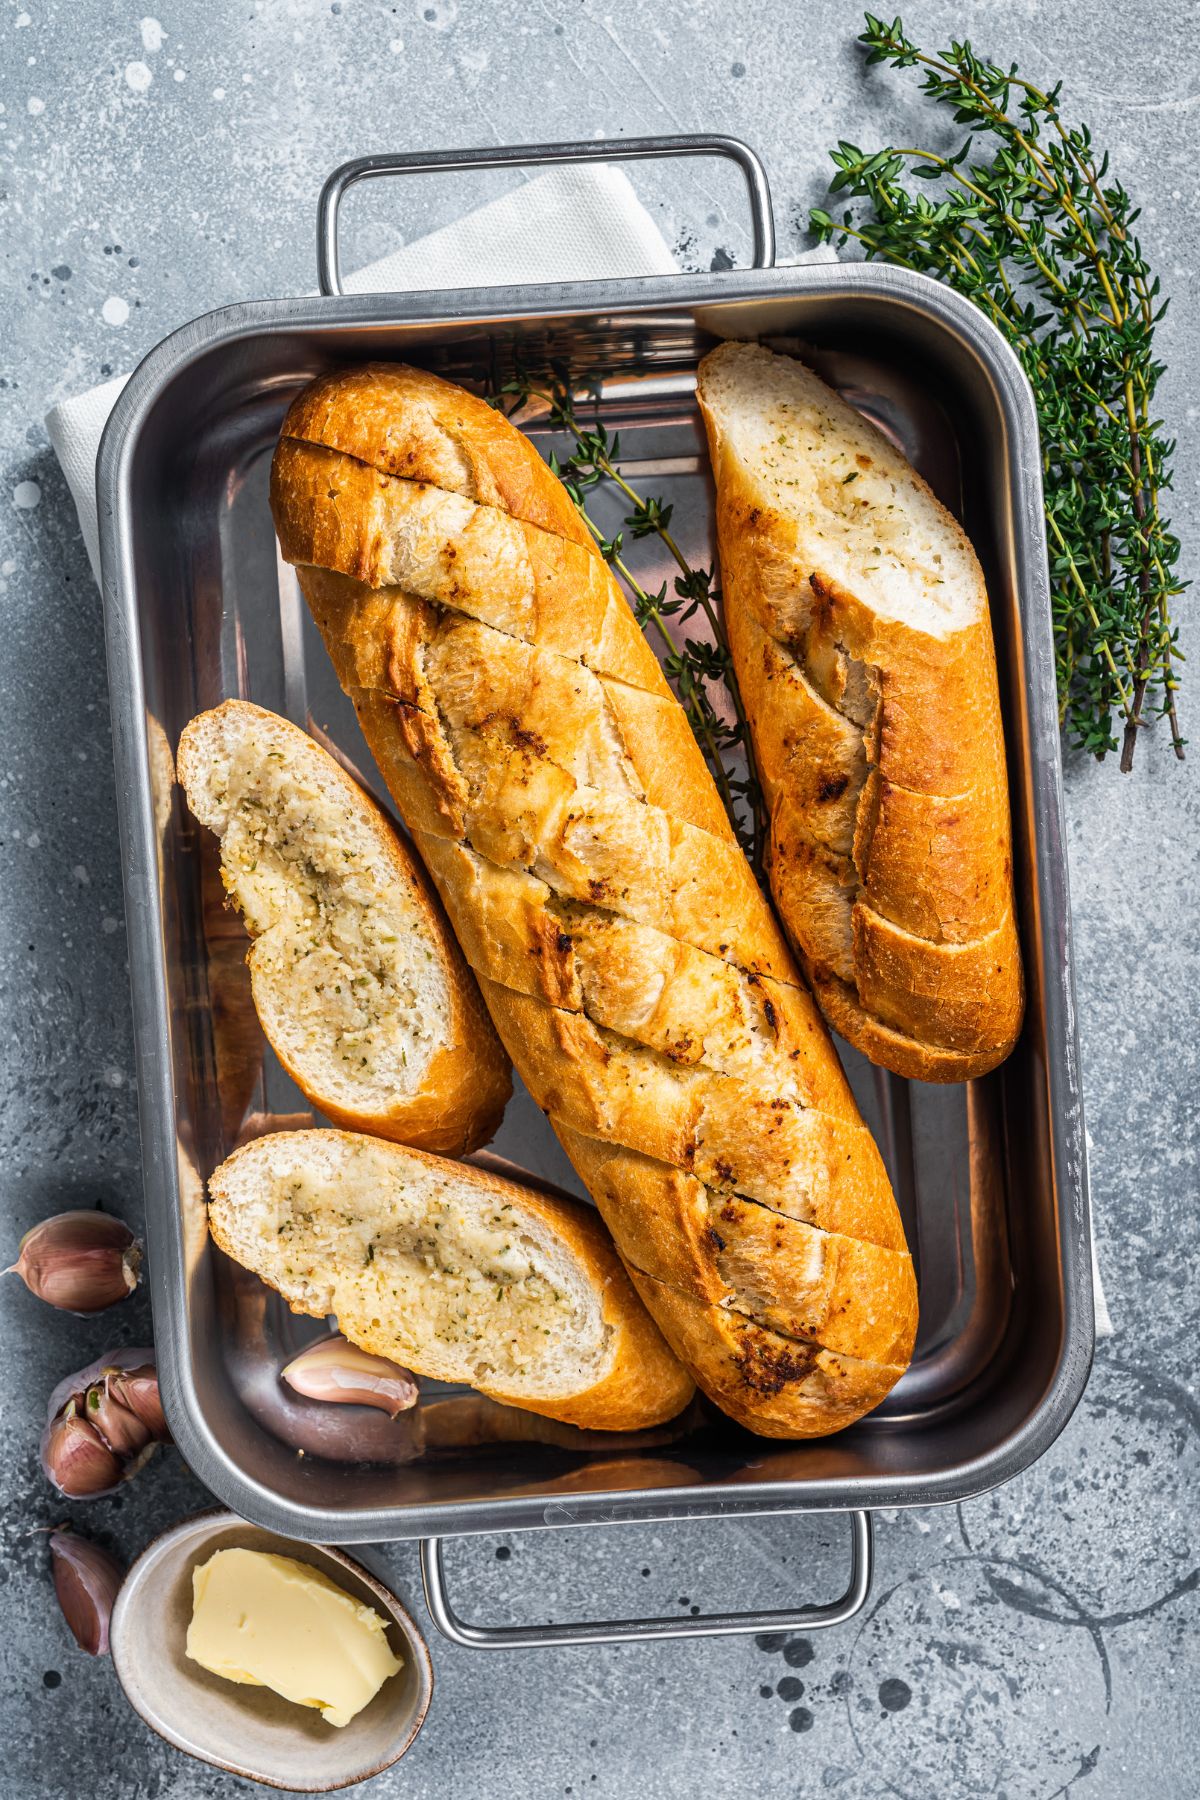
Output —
<point x="1037" y="1641"/>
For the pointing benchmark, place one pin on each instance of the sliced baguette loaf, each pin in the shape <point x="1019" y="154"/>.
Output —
<point x="450" y="1271"/>
<point x="358" y="982"/>
<point x="859" y="626"/>
<point x="631" y="964"/>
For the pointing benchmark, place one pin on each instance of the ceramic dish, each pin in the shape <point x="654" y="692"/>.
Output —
<point x="247" y="1730"/>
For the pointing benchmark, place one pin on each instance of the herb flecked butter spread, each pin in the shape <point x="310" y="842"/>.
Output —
<point x="274" y="1622"/>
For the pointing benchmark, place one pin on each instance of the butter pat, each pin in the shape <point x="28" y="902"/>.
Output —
<point x="274" y="1622"/>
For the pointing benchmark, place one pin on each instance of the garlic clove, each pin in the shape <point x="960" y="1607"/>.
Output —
<point x="79" y="1261"/>
<point x="137" y="1389"/>
<point x="335" y="1370"/>
<point x="121" y="1430"/>
<point x="86" y="1580"/>
<point x="76" y="1458"/>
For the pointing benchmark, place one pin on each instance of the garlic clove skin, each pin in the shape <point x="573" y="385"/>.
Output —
<point x="87" y="1580"/>
<point x="334" y="1370"/>
<point x="76" y="1458"/>
<point x="80" y="1261"/>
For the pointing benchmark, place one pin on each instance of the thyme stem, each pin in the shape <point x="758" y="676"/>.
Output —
<point x="697" y="669"/>
<point x="1026" y="222"/>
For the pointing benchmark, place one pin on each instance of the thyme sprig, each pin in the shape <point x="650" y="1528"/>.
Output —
<point x="699" y="668"/>
<point x="1026" y="221"/>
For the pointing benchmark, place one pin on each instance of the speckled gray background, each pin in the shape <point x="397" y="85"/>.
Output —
<point x="1038" y="1640"/>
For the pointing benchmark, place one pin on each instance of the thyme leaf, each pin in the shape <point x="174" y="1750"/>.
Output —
<point x="1026" y="221"/>
<point x="698" y="668"/>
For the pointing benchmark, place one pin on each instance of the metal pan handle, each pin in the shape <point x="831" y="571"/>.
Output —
<point x="632" y="1631"/>
<point x="517" y="156"/>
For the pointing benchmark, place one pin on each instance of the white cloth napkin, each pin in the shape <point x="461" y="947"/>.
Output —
<point x="580" y="223"/>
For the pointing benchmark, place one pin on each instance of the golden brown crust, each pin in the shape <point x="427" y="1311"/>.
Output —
<point x="890" y="1048"/>
<point x="468" y="1082"/>
<point x="735" y="1138"/>
<point x="541" y="703"/>
<point x="776" y="1386"/>
<point x="881" y="752"/>
<point x="627" y="955"/>
<point x="693" y="1010"/>
<point x="636" y="979"/>
<point x="644" y="1384"/>
<point x="498" y="786"/>
<point x="407" y="422"/>
<point x="338" y="513"/>
<point x="791" y="1278"/>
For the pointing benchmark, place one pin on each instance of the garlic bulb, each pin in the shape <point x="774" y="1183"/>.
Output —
<point x="79" y="1261"/>
<point x="103" y="1424"/>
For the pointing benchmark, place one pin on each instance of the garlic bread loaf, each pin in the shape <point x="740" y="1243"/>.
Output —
<point x="859" y="626"/>
<point x="357" y="980"/>
<point x="450" y="1271"/>
<point x="633" y="969"/>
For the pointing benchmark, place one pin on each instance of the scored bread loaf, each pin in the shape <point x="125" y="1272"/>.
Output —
<point x="450" y="1271"/>
<point x="859" y="626"/>
<point x="358" y="983"/>
<point x="632" y="967"/>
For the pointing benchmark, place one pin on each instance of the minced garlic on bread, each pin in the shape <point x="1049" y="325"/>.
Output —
<point x="450" y="1271"/>
<point x="359" y="985"/>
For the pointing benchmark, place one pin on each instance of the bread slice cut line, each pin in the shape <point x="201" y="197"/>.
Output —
<point x="594" y="894"/>
<point x="716" y="1205"/>
<point x="610" y="723"/>
<point x="745" y="1312"/>
<point x="620" y="1044"/>
<point x="847" y="870"/>
<point x="567" y="898"/>
<point x="810" y="1284"/>
<point x="780" y="1387"/>
<point x="557" y="926"/>
<point x="853" y="864"/>
<point x="717" y="1197"/>
<point x="674" y="1065"/>
<point x="846" y="996"/>
<point x="452" y="1271"/>
<point x="411" y="483"/>
<point x="563" y="910"/>
<point x="698" y="1152"/>
<point x="772" y="1331"/>
<point x="584" y="798"/>
<point x="849" y="865"/>
<point x="797" y="668"/>
<point x="400" y="483"/>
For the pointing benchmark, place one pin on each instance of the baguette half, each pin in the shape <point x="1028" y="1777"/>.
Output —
<point x="859" y="626"/>
<point x="450" y="1271"/>
<point x="357" y="980"/>
<point x="632" y="966"/>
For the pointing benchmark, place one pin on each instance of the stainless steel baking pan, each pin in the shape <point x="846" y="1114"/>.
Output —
<point x="991" y="1176"/>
